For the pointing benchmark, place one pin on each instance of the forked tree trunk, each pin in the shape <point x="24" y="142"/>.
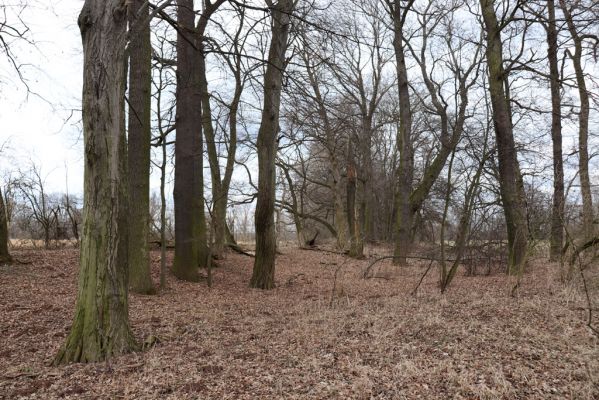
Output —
<point x="190" y="224"/>
<point x="140" y="79"/>
<point x="101" y="328"/>
<point x="4" y="254"/>
<point x="557" y="214"/>
<point x="510" y="180"/>
<point x="263" y="276"/>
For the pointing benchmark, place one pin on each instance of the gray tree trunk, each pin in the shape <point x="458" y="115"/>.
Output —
<point x="101" y="328"/>
<point x="190" y="223"/>
<point x="140" y="80"/>
<point x="264" y="263"/>
<point x="557" y="215"/>
<point x="405" y="172"/>
<point x="583" y="126"/>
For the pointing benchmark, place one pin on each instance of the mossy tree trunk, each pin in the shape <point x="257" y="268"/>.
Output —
<point x="510" y="179"/>
<point x="140" y="80"/>
<point x="264" y="264"/>
<point x="100" y="328"/>
<point x="190" y="222"/>
<point x="4" y="254"/>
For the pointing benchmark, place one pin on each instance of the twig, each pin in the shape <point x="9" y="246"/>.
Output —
<point x="422" y="278"/>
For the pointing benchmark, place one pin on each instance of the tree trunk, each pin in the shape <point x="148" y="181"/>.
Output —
<point x="4" y="254"/>
<point x="138" y="156"/>
<point x="264" y="264"/>
<point x="583" y="126"/>
<point x="405" y="171"/>
<point x="356" y="248"/>
<point x="101" y="328"/>
<point x="190" y="224"/>
<point x="510" y="180"/>
<point x="219" y="190"/>
<point x="557" y="215"/>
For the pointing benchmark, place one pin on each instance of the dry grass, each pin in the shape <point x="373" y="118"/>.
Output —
<point x="309" y="338"/>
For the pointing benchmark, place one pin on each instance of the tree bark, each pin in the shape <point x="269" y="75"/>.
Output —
<point x="510" y="180"/>
<point x="356" y="247"/>
<point x="4" y="254"/>
<point x="220" y="188"/>
<point x="405" y="172"/>
<point x="100" y="328"/>
<point x="264" y="263"/>
<point x="557" y="214"/>
<point x="583" y="126"/>
<point x="190" y="223"/>
<point x="138" y="156"/>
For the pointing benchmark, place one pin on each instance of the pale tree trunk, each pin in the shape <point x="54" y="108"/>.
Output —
<point x="4" y="254"/>
<point x="101" y="328"/>
<point x="264" y="264"/>
<point x="510" y="180"/>
<point x="557" y="214"/>
<point x="583" y="126"/>
<point x="140" y="80"/>
<point x="190" y="224"/>
<point x="405" y="171"/>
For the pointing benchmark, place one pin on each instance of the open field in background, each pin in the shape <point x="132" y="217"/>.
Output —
<point x="315" y="336"/>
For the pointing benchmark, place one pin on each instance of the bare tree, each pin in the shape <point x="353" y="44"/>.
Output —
<point x="510" y="178"/>
<point x="264" y="264"/>
<point x="138" y="156"/>
<point x="101" y="323"/>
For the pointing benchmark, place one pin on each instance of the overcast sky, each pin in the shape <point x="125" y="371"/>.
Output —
<point x="43" y="126"/>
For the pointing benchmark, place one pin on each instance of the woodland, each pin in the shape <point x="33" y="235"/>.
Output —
<point x="378" y="199"/>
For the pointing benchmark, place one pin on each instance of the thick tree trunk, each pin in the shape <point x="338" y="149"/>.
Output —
<point x="190" y="224"/>
<point x="557" y="215"/>
<point x="264" y="263"/>
<point x="510" y="180"/>
<point x="140" y="80"/>
<point x="100" y="327"/>
<point x="4" y="254"/>
<point x="405" y="172"/>
<point x="583" y="126"/>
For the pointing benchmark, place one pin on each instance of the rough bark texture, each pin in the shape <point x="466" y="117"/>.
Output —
<point x="140" y="79"/>
<point x="264" y="263"/>
<point x="583" y="126"/>
<point x="190" y="224"/>
<point x="100" y="328"/>
<point x="405" y="171"/>
<point x="4" y="254"/>
<point x="557" y="215"/>
<point x="510" y="181"/>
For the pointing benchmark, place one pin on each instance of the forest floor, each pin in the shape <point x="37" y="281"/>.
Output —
<point x="314" y="337"/>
